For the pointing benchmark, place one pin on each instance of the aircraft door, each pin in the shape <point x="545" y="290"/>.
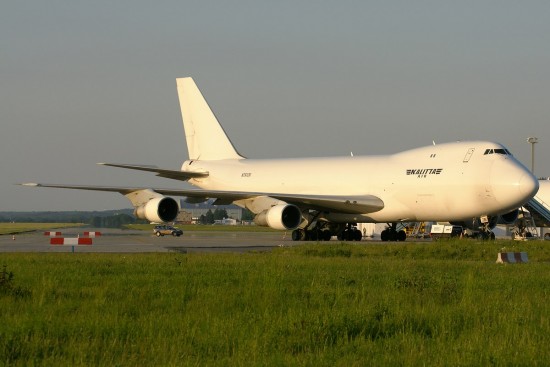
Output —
<point x="468" y="155"/>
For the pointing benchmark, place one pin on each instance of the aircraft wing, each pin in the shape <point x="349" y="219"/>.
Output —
<point x="343" y="204"/>
<point x="161" y="172"/>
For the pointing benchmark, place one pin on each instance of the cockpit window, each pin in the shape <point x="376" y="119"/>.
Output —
<point x="497" y="151"/>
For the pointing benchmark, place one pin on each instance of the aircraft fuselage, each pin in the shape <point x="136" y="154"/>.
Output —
<point x="450" y="181"/>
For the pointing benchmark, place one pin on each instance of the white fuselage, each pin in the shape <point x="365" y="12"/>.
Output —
<point x="543" y="195"/>
<point x="443" y="182"/>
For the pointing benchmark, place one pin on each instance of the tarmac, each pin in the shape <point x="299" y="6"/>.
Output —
<point x="130" y="241"/>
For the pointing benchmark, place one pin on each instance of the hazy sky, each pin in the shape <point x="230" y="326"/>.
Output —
<point x="83" y="82"/>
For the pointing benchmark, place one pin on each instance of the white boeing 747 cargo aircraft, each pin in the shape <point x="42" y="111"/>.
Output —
<point x="475" y="183"/>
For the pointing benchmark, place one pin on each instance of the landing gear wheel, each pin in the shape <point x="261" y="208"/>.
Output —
<point x="326" y="235"/>
<point x="401" y="236"/>
<point x="313" y="235"/>
<point x="391" y="234"/>
<point x="298" y="235"/>
<point x="350" y="235"/>
<point x="489" y="235"/>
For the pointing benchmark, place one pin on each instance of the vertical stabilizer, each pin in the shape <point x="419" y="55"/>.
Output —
<point x="206" y="139"/>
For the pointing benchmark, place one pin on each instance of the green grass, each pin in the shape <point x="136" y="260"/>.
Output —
<point x="313" y="304"/>
<point x="14" y="228"/>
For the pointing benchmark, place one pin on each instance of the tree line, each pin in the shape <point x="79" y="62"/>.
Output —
<point x="99" y="219"/>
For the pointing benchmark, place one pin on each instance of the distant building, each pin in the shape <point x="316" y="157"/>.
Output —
<point x="184" y="217"/>
<point x="196" y="210"/>
<point x="226" y="222"/>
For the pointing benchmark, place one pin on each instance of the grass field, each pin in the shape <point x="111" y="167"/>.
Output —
<point x="444" y="303"/>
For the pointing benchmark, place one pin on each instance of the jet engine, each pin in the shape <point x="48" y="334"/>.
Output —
<point x="281" y="216"/>
<point x="160" y="209"/>
<point x="476" y="223"/>
<point x="508" y="218"/>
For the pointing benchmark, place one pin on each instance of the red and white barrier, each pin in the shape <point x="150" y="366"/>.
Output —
<point x="61" y="241"/>
<point x="92" y="234"/>
<point x="512" y="257"/>
<point x="52" y="234"/>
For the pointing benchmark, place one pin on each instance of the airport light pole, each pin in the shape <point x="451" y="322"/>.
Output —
<point x="532" y="141"/>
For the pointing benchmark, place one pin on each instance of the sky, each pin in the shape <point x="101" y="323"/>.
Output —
<point x="83" y="82"/>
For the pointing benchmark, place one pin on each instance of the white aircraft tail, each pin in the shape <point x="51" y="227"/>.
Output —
<point x="206" y="139"/>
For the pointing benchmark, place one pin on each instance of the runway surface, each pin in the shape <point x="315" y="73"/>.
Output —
<point x="126" y="241"/>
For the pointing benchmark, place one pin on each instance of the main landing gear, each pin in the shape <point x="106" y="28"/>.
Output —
<point x="323" y="231"/>
<point x="311" y="235"/>
<point x="350" y="233"/>
<point x="392" y="234"/>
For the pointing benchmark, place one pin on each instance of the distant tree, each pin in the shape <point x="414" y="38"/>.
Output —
<point x="112" y="221"/>
<point x="65" y="216"/>
<point x="96" y="222"/>
<point x="202" y="219"/>
<point x="209" y="217"/>
<point x="247" y="215"/>
<point x="220" y="214"/>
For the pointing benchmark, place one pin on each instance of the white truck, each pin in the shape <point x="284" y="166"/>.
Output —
<point x="445" y="231"/>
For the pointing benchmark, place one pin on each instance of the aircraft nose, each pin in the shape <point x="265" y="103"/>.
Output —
<point x="528" y="185"/>
<point x="513" y="184"/>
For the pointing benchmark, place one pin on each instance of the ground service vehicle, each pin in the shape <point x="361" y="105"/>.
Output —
<point x="162" y="230"/>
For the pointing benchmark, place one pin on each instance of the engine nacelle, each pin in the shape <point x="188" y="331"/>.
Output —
<point x="161" y="209"/>
<point x="282" y="216"/>
<point x="508" y="218"/>
<point x="476" y="223"/>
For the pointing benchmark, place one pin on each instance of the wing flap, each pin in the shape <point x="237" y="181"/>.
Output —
<point x="343" y="204"/>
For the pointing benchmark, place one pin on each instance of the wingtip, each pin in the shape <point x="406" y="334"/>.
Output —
<point x="30" y="184"/>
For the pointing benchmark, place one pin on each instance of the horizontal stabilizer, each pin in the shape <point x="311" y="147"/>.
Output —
<point x="173" y="174"/>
